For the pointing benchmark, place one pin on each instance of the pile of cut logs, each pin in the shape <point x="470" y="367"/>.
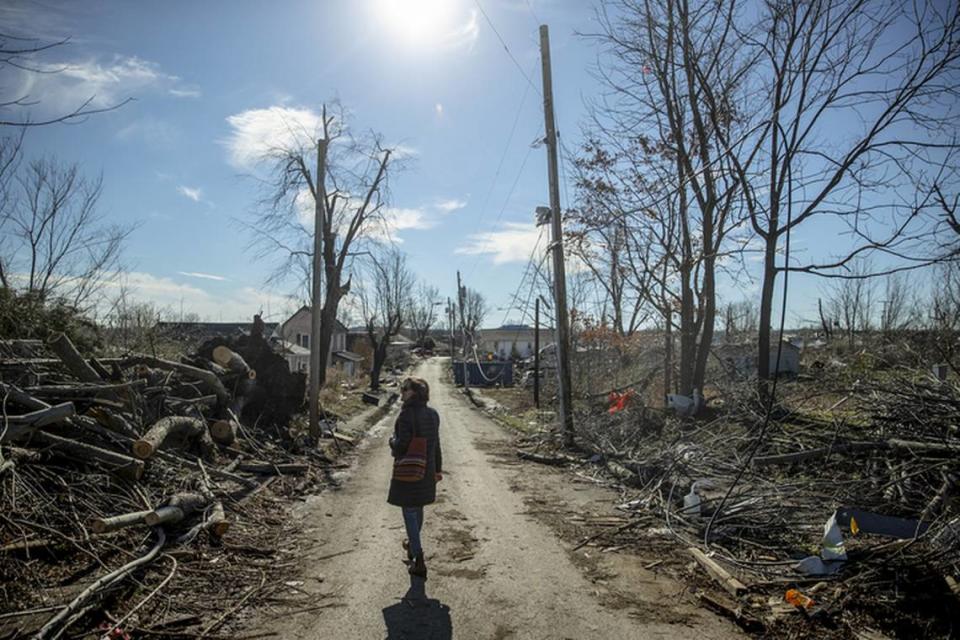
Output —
<point x="105" y="465"/>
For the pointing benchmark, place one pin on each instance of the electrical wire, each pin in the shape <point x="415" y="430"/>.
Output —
<point x="507" y="48"/>
<point x="480" y="248"/>
<point x="503" y="157"/>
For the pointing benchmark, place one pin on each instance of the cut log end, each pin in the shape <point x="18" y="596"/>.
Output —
<point x="143" y="449"/>
<point x="223" y="431"/>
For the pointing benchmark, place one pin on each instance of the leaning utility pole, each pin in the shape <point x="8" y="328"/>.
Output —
<point x="559" y="271"/>
<point x="320" y="214"/>
<point x="461" y="295"/>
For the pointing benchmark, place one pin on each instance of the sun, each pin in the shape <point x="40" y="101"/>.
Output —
<point x="418" y="22"/>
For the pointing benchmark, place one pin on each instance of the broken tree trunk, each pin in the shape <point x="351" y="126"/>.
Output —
<point x="20" y="426"/>
<point x="232" y="361"/>
<point x="192" y="429"/>
<point x="186" y="370"/>
<point x="556" y="461"/>
<point x="124" y="466"/>
<point x="177" y="508"/>
<point x="729" y="583"/>
<point x="104" y="525"/>
<point x="60" y="344"/>
<point x="114" y="422"/>
<point x="223" y="431"/>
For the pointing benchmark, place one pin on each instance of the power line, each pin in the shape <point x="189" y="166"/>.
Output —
<point x="506" y="202"/>
<point x="507" y="48"/>
<point x="503" y="157"/>
<point x="526" y="270"/>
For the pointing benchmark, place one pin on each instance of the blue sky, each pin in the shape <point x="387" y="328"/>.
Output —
<point x="439" y="84"/>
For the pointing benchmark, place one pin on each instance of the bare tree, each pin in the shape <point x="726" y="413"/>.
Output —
<point x="384" y="296"/>
<point x="23" y="54"/>
<point x="886" y="70"/>
<point x="740" y="319"/>
<point x="659" y="161"/>
<point x="55" y="243"/>
<point x="851" y="302"/>
<point x="350" y="200"/>
<point x="423" y="310"/>
<point x="898" y="311"/>
<point x="945" y="298"/>
<point x="475" y="311"/>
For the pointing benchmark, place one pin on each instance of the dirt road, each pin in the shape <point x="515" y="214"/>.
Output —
<point x="495" y="570"/>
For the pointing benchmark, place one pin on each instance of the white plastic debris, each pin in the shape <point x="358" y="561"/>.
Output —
<point x="691" y="501"/>
<point x="815" y="566"/>
<point x="832" y="547"/>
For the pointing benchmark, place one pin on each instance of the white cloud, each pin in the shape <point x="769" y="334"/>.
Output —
<point x="202" y="276"/>
<point x="255" y="133"/>
<point x="185" y="93"/>
<point x="450" y="205"/>
<point x="195" y="194"/>
<point x="512" y="243"/>
<point x="394" y="220"/>
<point x="438" y="109"/>
<point x="227" y="304"/>
<point x="401" y="151"/>
<point x="68" y="85"/>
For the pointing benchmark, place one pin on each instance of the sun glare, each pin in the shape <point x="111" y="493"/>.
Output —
<point x="417" y="22"/>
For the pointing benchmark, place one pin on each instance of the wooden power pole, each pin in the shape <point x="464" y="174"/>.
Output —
<point x="320" y="214"/>
<point x="461" y="298"/>
<point x="556" y="227"/>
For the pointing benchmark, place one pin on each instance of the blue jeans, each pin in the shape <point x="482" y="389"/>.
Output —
<point x="413" y="519"/>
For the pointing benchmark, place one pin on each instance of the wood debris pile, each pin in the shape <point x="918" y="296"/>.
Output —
<point x="857" y="512"/>
<point x="131" y="488"/>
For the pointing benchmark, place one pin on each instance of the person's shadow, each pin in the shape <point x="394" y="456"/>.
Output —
<point x="417" y="617"/>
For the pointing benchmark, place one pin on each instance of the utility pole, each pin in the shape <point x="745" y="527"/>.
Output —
<point x="556" y="227"/>
<point x="461" y="295"/>
<point x="450" y="323"/>
<point x="536" y="354"/>
<point x="320" y="213"/>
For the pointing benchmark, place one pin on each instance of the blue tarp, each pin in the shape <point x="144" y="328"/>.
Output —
<point x="494" y="373"/>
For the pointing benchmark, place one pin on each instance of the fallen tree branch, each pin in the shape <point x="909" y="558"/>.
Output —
<point x="58" y="623"/>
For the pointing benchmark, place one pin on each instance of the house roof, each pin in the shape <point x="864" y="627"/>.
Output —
<point x="339" y="327"/>
<point x="348" y="355"/>
<point x="213" y="328"/>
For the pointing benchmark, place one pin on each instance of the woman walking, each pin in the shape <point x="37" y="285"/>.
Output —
<point x="417" y="466"/>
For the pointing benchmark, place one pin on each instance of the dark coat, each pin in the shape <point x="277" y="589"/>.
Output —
<point x="427" y="421"/>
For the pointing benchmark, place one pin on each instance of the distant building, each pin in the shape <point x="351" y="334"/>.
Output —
<point x="742" y="358"/>
<point x="293" y="338"/>
<point x="512" y="340"/>
<point x="203" y="331"/>
<point x="357" y="338"/>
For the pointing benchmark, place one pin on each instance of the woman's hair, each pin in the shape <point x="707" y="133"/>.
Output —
<point x="419" y="386"/>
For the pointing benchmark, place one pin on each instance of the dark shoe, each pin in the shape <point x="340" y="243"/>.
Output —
<point x="418" y="567"/>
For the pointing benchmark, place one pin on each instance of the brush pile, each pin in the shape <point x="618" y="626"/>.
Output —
<point x="850" y="514"/>
<point x="126" y="480"/>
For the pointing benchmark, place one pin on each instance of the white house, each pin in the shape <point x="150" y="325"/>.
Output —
<point x="293" y="337"/>
<point x="512" y="340"/>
